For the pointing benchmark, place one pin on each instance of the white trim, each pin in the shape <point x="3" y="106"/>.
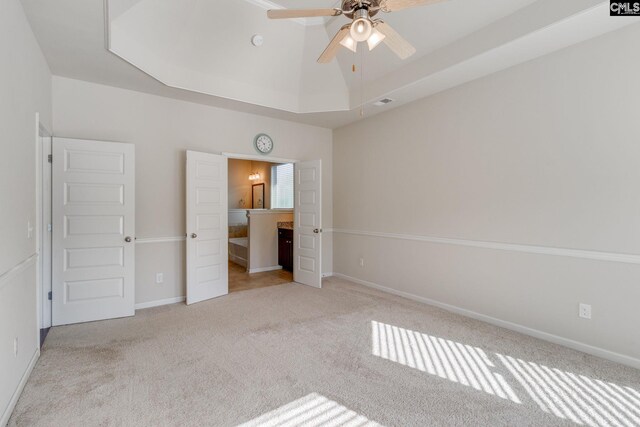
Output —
<point x="23" y="381"/>
<point x="545" y="336"/>
<point x="263" y="269"/>
<point x="267" y="159"/>
<point x="331" y="274"/>
<point x="18" y="268"/>
<point x="158" y="303"/>
<point x="145" y="240"/>
<point x="543" y="250"/>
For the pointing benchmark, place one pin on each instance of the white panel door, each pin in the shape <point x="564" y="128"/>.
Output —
<point x="207" y="230"/>
<point x="307" y="235"/>
<point x="93" y="202"/>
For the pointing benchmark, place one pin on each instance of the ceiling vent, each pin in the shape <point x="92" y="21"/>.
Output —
<point x="383" y="101"/>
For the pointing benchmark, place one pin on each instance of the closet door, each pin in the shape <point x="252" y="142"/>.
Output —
<point x="93" y="200"/>
<point x="207" y="227"/>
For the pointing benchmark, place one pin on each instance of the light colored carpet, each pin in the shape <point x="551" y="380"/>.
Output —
<point x="294" y="355"/>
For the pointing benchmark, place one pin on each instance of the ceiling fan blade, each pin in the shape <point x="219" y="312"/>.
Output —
<point x="331" y="50"/>
<point x="393" y="5"/>
<point x="396" y="43"/>
<point x="302" y="13"/>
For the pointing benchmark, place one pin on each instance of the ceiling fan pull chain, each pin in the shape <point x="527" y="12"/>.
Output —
<point x="362" y="83"/>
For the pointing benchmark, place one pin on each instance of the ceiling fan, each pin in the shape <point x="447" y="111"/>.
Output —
<point x="362" y="27"/>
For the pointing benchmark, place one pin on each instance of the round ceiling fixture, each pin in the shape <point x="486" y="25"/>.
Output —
<point x="257" y="40"/>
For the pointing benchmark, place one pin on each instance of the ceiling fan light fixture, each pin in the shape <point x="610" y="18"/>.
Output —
<point x="349" y="43"/>
<point x="361" y="26"/>
<point x="375" y="38"/>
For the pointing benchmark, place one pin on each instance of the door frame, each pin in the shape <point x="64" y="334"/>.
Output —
<point x="260" y="158"/>
<point x="44" y="139"/>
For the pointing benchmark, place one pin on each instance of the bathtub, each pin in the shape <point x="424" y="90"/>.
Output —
<point x="238" y="250"/>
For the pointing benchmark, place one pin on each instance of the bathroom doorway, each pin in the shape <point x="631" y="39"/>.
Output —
<point x="261" y="217"/>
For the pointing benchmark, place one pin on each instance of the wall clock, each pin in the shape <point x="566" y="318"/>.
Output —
<point x="263" y="143"/>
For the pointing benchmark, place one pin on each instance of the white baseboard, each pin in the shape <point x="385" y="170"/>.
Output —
<point x="576" y="345"/>
<point x="23" y="381"/>
<point x="263" y="269"/>
<point x="158" y="303"/>
<point x="327" y="274"/>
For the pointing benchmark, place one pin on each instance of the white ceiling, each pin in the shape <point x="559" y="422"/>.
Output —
<point x="200" y="50"/>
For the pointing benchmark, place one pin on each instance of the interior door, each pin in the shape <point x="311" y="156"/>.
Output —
<point x="207" y="228"/>
<point x="93" y="200"/>
<point x="307" y="237"/>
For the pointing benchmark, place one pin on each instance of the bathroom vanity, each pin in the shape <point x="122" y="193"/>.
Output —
<point x="285" y="245"/>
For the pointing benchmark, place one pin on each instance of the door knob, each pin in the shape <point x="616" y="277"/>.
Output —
<point x="317" y="230"/>
<point x="127" y="239"/>
<point x="194" y="235"/>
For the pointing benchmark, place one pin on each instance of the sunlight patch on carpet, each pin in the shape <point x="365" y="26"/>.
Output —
<point x="574" y="397"/>
<point x="447" y="359"/>
<point x="313" y="410"/>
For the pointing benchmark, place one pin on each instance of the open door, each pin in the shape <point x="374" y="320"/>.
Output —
<point x="307" y="235"/>
<point x="207" y="230"/>
<point x="93" y="202"/>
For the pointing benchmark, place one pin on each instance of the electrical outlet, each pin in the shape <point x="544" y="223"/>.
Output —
<point x="584" y="311"/>
<point x="15" y="347"/>
<point x="361" y="262"/>
<point x="159" y="278"/>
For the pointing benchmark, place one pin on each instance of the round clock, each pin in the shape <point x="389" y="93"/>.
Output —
<point x="263" y="143"/>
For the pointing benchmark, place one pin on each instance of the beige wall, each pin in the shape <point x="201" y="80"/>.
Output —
<point x="162" y="129"/>
<point x="543" y="154"/>
<point x="263" y="238"/>
<point x="25" y="88"/>
<point x="264" y="169"/>
<point x="240" y="186"/>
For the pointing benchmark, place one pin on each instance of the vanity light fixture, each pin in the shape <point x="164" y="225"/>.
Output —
<point x="254" y="176"/>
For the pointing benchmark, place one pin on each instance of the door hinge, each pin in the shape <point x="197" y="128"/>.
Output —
<point x="50" y="296"/>
<point x="49" y="228"/>
<point x="50" y="158"/>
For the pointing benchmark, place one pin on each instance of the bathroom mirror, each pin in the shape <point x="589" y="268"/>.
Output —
<point x="257" y="196"/>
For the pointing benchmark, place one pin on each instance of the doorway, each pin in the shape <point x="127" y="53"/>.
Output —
<point x="208" y="201"/>
<point x="260" y="220"/>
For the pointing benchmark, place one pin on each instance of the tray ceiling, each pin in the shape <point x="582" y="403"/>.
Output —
<point x="201" y="50"/>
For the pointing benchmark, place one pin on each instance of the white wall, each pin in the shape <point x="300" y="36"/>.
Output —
<point x="544" y="154"/>
<point x="25" y="88"/>
<point x="162" y="129"/>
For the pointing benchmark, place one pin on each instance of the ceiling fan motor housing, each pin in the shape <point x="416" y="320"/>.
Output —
<point x="350" y="7"/>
